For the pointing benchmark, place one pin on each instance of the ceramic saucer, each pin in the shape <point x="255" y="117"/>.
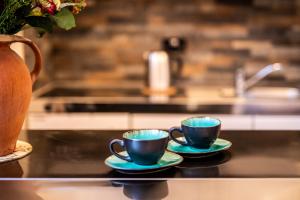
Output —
<point x="22" y="149"/>
<point x="192" y="152"/>
<point x="169" y="159"/>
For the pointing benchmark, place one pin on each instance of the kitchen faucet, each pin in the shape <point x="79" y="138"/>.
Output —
<point x="242" y="85"/>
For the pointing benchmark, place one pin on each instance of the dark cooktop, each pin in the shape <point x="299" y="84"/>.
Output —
<point x="99" y="92"/>
<point x="146" y="104"/>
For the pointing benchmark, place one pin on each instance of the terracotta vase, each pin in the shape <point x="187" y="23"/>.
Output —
<point x="15" y="90"/>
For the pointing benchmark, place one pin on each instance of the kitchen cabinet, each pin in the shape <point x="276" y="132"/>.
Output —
<point x="165" y="121"/>
<point x="281" y="122"/>
<point x="77" y="121"/>
<point x="104" y="121"/>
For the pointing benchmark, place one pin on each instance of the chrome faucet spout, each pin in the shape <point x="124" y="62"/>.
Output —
<point x="262" y="74"/>
<point x="242" y="85"/>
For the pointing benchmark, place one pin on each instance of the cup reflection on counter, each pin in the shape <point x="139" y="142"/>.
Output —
<point x="144" y="190"/>
<point x="144" y="147"/>
<point x="204" y="166"/>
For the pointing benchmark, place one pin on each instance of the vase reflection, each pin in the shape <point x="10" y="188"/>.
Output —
<point x="11" y="169"/>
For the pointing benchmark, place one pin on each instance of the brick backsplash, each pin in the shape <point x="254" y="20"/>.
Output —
<point x="112" y="35"/>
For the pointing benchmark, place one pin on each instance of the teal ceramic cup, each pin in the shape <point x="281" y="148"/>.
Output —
<point x="199" y="132"/>
<point x="144" y="147"/>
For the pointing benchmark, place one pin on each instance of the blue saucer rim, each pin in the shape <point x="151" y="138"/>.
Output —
<point x="199" y="153"/>
<point x="146" y="169"/>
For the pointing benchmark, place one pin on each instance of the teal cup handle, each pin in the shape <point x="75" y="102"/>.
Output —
<point x="112" y="150"/>
<point x="179" y="130"/>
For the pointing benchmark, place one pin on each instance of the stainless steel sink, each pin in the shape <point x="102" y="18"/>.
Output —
<point x="265" y="92"/>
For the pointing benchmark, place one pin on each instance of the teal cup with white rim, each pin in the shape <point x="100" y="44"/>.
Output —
<point x="144" y="147"/>
<point x="199" y="132"/>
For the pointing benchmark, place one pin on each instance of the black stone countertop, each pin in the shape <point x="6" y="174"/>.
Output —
<point x="81" y="154"/>
<point x="69" y="165"/>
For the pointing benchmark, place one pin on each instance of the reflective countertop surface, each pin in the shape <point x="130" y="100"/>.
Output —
<point x="70" y="165"/>
<point x="81" y="154"/>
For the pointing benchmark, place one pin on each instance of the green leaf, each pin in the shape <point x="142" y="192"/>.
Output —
<point x="64" y="19"/>
<point x="11" y="21"/>
<point x="44" y="23"/>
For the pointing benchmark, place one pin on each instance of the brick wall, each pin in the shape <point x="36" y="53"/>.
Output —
<point x="112" y="36"/>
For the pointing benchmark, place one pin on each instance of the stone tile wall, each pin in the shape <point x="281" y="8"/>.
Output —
<point x="112" y="36"/>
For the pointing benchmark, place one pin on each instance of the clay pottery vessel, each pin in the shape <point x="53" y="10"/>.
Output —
<point x="15" y="90"/>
